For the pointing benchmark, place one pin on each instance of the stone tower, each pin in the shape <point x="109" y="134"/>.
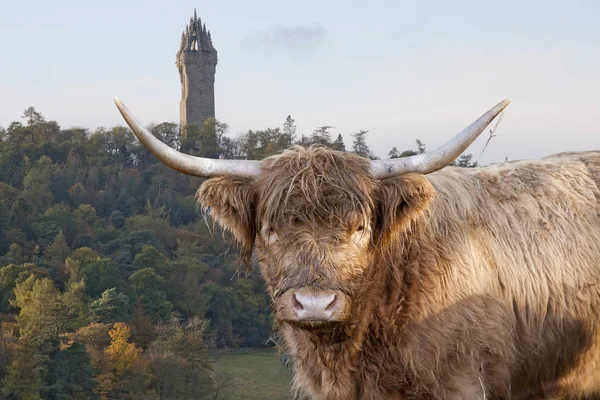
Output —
<point x="197" y="63"/>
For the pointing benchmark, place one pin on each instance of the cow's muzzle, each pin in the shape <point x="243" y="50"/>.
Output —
<point x="313" y="305"/>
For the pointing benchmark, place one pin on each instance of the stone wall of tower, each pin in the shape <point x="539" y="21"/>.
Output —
<point x="197" y="63"/>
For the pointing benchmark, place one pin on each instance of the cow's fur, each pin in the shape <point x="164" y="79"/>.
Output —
<point x="464" y="284"/>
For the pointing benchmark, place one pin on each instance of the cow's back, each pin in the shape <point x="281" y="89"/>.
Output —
<point x="526" y="233"/>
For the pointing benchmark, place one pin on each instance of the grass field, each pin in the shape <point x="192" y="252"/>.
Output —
<point x="253" y="375"/>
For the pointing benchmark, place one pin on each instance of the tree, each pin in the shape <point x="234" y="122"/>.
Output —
<point x="32" y="116"/>
<point x="36" y="190"/>
<point x="100" y="276"/>
<point x="43" y="316"/>
<point x="80" y="260"/>
<point x="394" y="153"/>
<point x="8" y="344"/>
<point x="321" y="136"/>
<point x="117" y="219"/>
<point x="70" y="375"/>
<point x="203" y="141"/>
<point x="23" y="380"/>
<point x="96" y="339"/>
<point x="121" y="146"/>
<point x="57" y="253"/>
<point x="338" y="144"/>
<point x="59" y="250"/>
<point x="304" y="141"/>
<point x="10" y="276"/>
<point x="179" y="360"/>
<point x="359" y="145"/>
<point x="121" y="354"/>
<point x="75" y="300"/>
<point x="112" y="306"/>
<point x="289" y="128"/>
<point x="86" y="216"/>
<point x="230" y="149"/>
<point x="221" y="129"/>
<point x="168" y="133"/>
<point x="128" y="374"/>
<point x="263" y="143"/>
<point x="150" y="257"/>
<point x="187" y="275"/>
<point x="464" y="161"/>
<point x="147" y="286"/>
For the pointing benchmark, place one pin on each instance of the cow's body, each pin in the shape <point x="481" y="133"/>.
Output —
<point x="493" y="293"/>
<point x="399" y="279"/>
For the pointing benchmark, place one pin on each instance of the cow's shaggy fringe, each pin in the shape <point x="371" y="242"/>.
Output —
<point x="474" y="283"/>
<point x="313" y="183"/>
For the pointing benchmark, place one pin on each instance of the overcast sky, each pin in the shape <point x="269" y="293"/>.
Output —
<point x="399" y="69"/>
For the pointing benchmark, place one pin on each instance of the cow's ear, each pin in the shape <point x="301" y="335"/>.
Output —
<point x="231" y="202"/>
<point x="402" y="199"/>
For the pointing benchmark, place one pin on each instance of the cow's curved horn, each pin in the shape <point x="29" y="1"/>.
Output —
<point x="185" y="163"/>
<point x="440" y="157"/>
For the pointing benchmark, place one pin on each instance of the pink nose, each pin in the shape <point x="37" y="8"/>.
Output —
<point x="319" y="306"/>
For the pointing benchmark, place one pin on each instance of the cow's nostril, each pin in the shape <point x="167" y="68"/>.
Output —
<point x="297" y="305"/>
<point x="332" y="305"/>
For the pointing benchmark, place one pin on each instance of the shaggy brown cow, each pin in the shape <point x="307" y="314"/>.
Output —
<point x="403" y="280"/>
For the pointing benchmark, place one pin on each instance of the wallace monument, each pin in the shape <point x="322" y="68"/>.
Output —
<point x="197" y="63"/>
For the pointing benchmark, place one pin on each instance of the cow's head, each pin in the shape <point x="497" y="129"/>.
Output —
<point x="314" y="218"/>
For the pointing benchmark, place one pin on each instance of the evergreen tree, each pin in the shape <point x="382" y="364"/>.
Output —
<point x="338" y="144"/>
<point x="359" y="145"/>
<point x="57" y="253"/>
<point x="289" y="128"/>
<point x="70" y="375"/>
<point x="117" y="219"/>
<point x="112" y="306"/>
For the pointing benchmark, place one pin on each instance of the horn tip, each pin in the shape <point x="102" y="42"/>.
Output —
<point x="122" y="108"/>
<point x="502" y="105"/>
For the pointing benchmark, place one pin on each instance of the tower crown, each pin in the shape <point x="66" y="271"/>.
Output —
<point x="195" y="37"/>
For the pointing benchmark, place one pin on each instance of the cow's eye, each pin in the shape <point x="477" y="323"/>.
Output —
<point x="360" y="228"/>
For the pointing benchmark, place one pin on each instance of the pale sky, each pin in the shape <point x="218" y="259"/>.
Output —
<point x="399" y="69"/>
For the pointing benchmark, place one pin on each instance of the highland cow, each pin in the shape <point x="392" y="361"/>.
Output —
<point x="410" y="279"/>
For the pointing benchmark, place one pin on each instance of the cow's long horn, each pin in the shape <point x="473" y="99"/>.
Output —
<point x="442" y="156"/>
<point x="185" y="163"/>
